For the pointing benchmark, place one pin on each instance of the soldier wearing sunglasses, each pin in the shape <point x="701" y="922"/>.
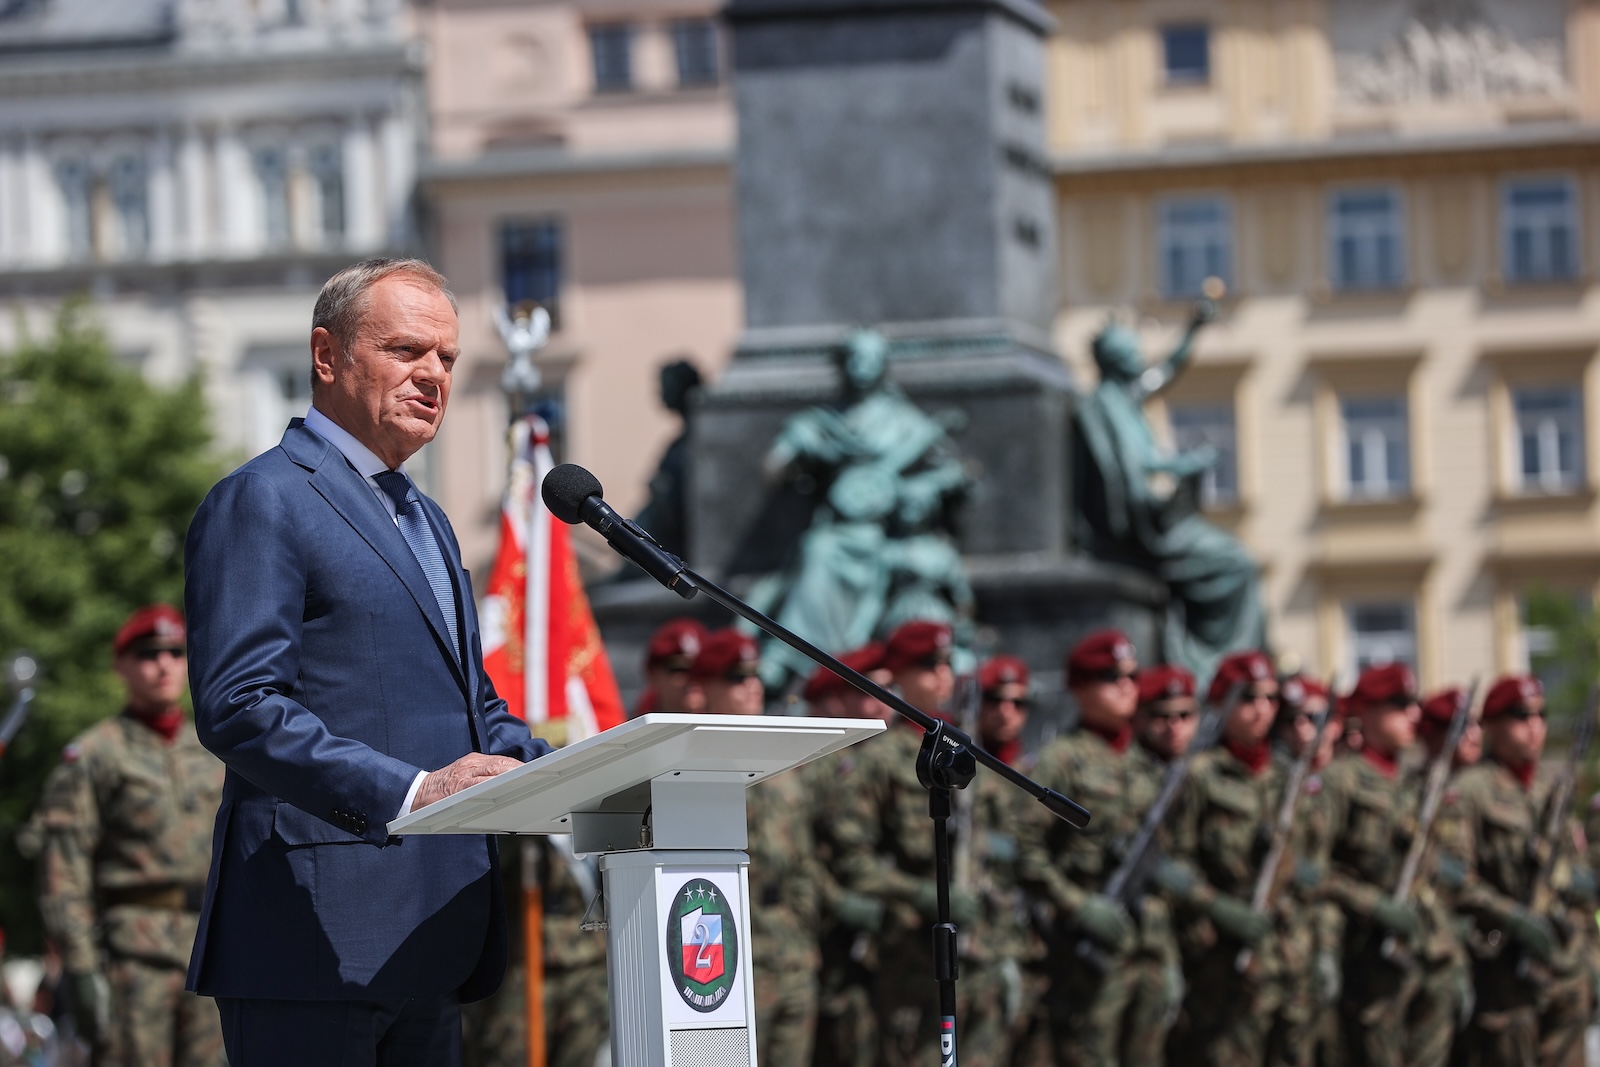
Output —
<point x="1167" y="717"/>
<point x="125" y="825"/>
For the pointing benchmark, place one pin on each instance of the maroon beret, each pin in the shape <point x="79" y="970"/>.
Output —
<point x="1511" y="691"/>
<point x="675" y="644"/>
<point x="725" y="652"/>
<point x="1240" y="667"/>
<point x="1165" y="682"/>
<point x="1299" y="688"/>
<point x="1002" y="670"/>
<point x="823" y="682"/>
<point x="915" y="642"/>
<point x="1383" y="685"/>
<point x="1101" y="651"/>
<point x="159" y="624"/>
<point x="1439" y="708"/>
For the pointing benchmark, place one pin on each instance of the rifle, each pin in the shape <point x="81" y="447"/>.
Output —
<point x="1261" y="895"/>
<point x="21" y="670"/>
<point x="1127" y="881"/>
<point x="1541" y="895"/>
<point x="1432" y="794"/>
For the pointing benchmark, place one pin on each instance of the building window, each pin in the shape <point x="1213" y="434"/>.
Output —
<point x="1366" y="239"/>
<point x="1540" y="229"/>
<point x="530" y="264"/>
<point x="326" y="164"/>
<point x="1376" y="447"/>
<point x="1209" y="426"/>
<point x="1196" y="239"/>
<point x="695" y="44"/>
<point x="76" y="187"/>
<point x="130" y="203"/>
<point x="272" y="185"/>
<point x="1549" y="438"/>
<point x="1186" y="54"/>
<point x="1381" y="632"/>
<point x="611" y="49"/>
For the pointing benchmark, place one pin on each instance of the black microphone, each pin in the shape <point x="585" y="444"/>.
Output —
<point x="573" y="495"/>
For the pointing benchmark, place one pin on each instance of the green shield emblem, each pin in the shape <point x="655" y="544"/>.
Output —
<point x="702" y="945"/>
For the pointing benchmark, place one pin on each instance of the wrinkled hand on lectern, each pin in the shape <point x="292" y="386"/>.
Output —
<point x="661" y="798"/>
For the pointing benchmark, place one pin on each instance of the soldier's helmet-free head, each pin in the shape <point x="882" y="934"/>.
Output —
<point x="668" y="656"/>
<point x="1250" y="719"/>
<point x="1386" y="701"/>
<point x="728" y="669"/>
<point x="1513" y="719"/>
<point x="1102" y="673"/>
<point x="918" y="654"/>
<point x="154" y="627"/>
<point x="1438" y="711"/>
<point x="1167" y="718"/>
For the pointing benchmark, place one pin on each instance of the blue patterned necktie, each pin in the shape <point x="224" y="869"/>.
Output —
<point x="419" y="535"/>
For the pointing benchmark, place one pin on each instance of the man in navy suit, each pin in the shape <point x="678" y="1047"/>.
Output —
<point x="336" y="668"/>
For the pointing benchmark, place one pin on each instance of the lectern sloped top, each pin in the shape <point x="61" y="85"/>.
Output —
<point x="612" y="771"/>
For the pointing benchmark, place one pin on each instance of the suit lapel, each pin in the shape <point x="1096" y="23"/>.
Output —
<point x="353" y="499"/>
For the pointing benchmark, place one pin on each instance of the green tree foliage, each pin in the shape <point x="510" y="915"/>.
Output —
<point x="100" y="473"/>
<point x="1565" y="653"/>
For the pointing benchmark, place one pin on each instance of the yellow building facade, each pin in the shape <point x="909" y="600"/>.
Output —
<point x="1402" y="386"/>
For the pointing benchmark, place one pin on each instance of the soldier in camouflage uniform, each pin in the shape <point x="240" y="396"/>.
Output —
<point x="1306" y="1028"/>
<point x="1167" y="718"/>
<point x="1094" y="1017"/>
<point x="784" y="900"/>
<point x="1374" y="805"/>
<point x="1534" y="988"/>
<point x="847" y="1034"/>
<point x="1220" y="835"/>
<point x="886" y="838"/>
<point x="124" y="829"/>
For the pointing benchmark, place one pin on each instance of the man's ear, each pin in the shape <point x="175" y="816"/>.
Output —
<point x="326" y="354"/>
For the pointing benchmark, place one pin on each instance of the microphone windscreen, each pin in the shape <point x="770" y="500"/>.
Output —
<point x="565" y="489"/>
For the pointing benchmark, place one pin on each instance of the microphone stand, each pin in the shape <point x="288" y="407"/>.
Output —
<point x="947" y="760"/>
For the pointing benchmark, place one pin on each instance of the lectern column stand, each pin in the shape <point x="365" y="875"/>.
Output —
<point x="678" y="924"/>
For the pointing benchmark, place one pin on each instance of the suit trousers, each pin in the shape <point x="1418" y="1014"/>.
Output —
<point x="342" y="1033"/>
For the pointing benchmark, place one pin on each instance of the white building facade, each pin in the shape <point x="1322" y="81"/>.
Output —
<point x="199" y="167"/>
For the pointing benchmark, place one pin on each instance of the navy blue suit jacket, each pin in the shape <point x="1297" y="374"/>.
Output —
<point x="322" y="677"/>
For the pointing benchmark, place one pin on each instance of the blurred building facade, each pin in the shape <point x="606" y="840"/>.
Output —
<point x="579" y="156"/>
<point x="199" y="167"/>
<point x="1403" y="388"/>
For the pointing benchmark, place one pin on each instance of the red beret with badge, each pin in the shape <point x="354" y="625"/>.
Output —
<point x="1391" y="685"/>
<point x="1239" y="668"/>
<point x="918" y="643"/>
<point x="152" y="626"/>
<point x="675" y="644"/>
<point x="1166" y="682"/>
<point x="1510" y="693"/>
<point x="726" y="654"/>
<point x="1439" y="708"/>
<point x="1296" y="689"/>
<point x="1098" y="656"/>
<point x="1001" y="671"/>
<point x="823" y="682"/>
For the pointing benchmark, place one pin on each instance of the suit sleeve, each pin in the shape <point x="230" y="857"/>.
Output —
<point x="244" y="595"/>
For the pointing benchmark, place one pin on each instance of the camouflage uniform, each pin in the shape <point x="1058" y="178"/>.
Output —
<point x="577" y="1018"/>
<point x="846" y="1034"/>
<point x="1004" y="952"/>
<point x="1531" y="1013"/>
<point x="886" y="839"/>
<point x="1386" y="1018"/>
<point x="1096" y="1018"/>
<point x="1222" y="829"/>
<point x="124" y="828"/>
<point x="784" y="906"/>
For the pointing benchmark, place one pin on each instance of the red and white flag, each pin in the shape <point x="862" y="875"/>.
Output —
<point x="541" y="646"/>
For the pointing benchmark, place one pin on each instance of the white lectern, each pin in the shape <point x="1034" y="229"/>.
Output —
<point x="662" y="799"/>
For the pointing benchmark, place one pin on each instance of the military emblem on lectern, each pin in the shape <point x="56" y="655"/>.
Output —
<point x="702" y="945"/>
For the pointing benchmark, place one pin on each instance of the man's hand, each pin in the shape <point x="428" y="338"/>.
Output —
<point x="470" y="769"/>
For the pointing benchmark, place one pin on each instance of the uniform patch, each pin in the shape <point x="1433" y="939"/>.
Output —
<point x="71" y="754"/>
<point x="702" y="945"/>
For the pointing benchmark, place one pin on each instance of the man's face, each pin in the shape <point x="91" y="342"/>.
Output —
<point x="1391" y="727"/>
<point x="1109" y="701"/>
<point x="1252" y="717"/>
<point x="390" y="388"/>
<point x="1330" y="743"/>
<point x="674" y="692"/>
<point x="1516" y="737"/>
<point x="927" y="686"/>
<point x="727" y="696"/>
<point x="859" y="705"/>
<point x="1002" y="715"/>
<point x="1470" y="750"/>
<point x="154" y="677"/>
<point x="1167" y="727"/>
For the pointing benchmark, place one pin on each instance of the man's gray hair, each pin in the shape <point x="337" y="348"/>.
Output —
<point x="343" y="299"/>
